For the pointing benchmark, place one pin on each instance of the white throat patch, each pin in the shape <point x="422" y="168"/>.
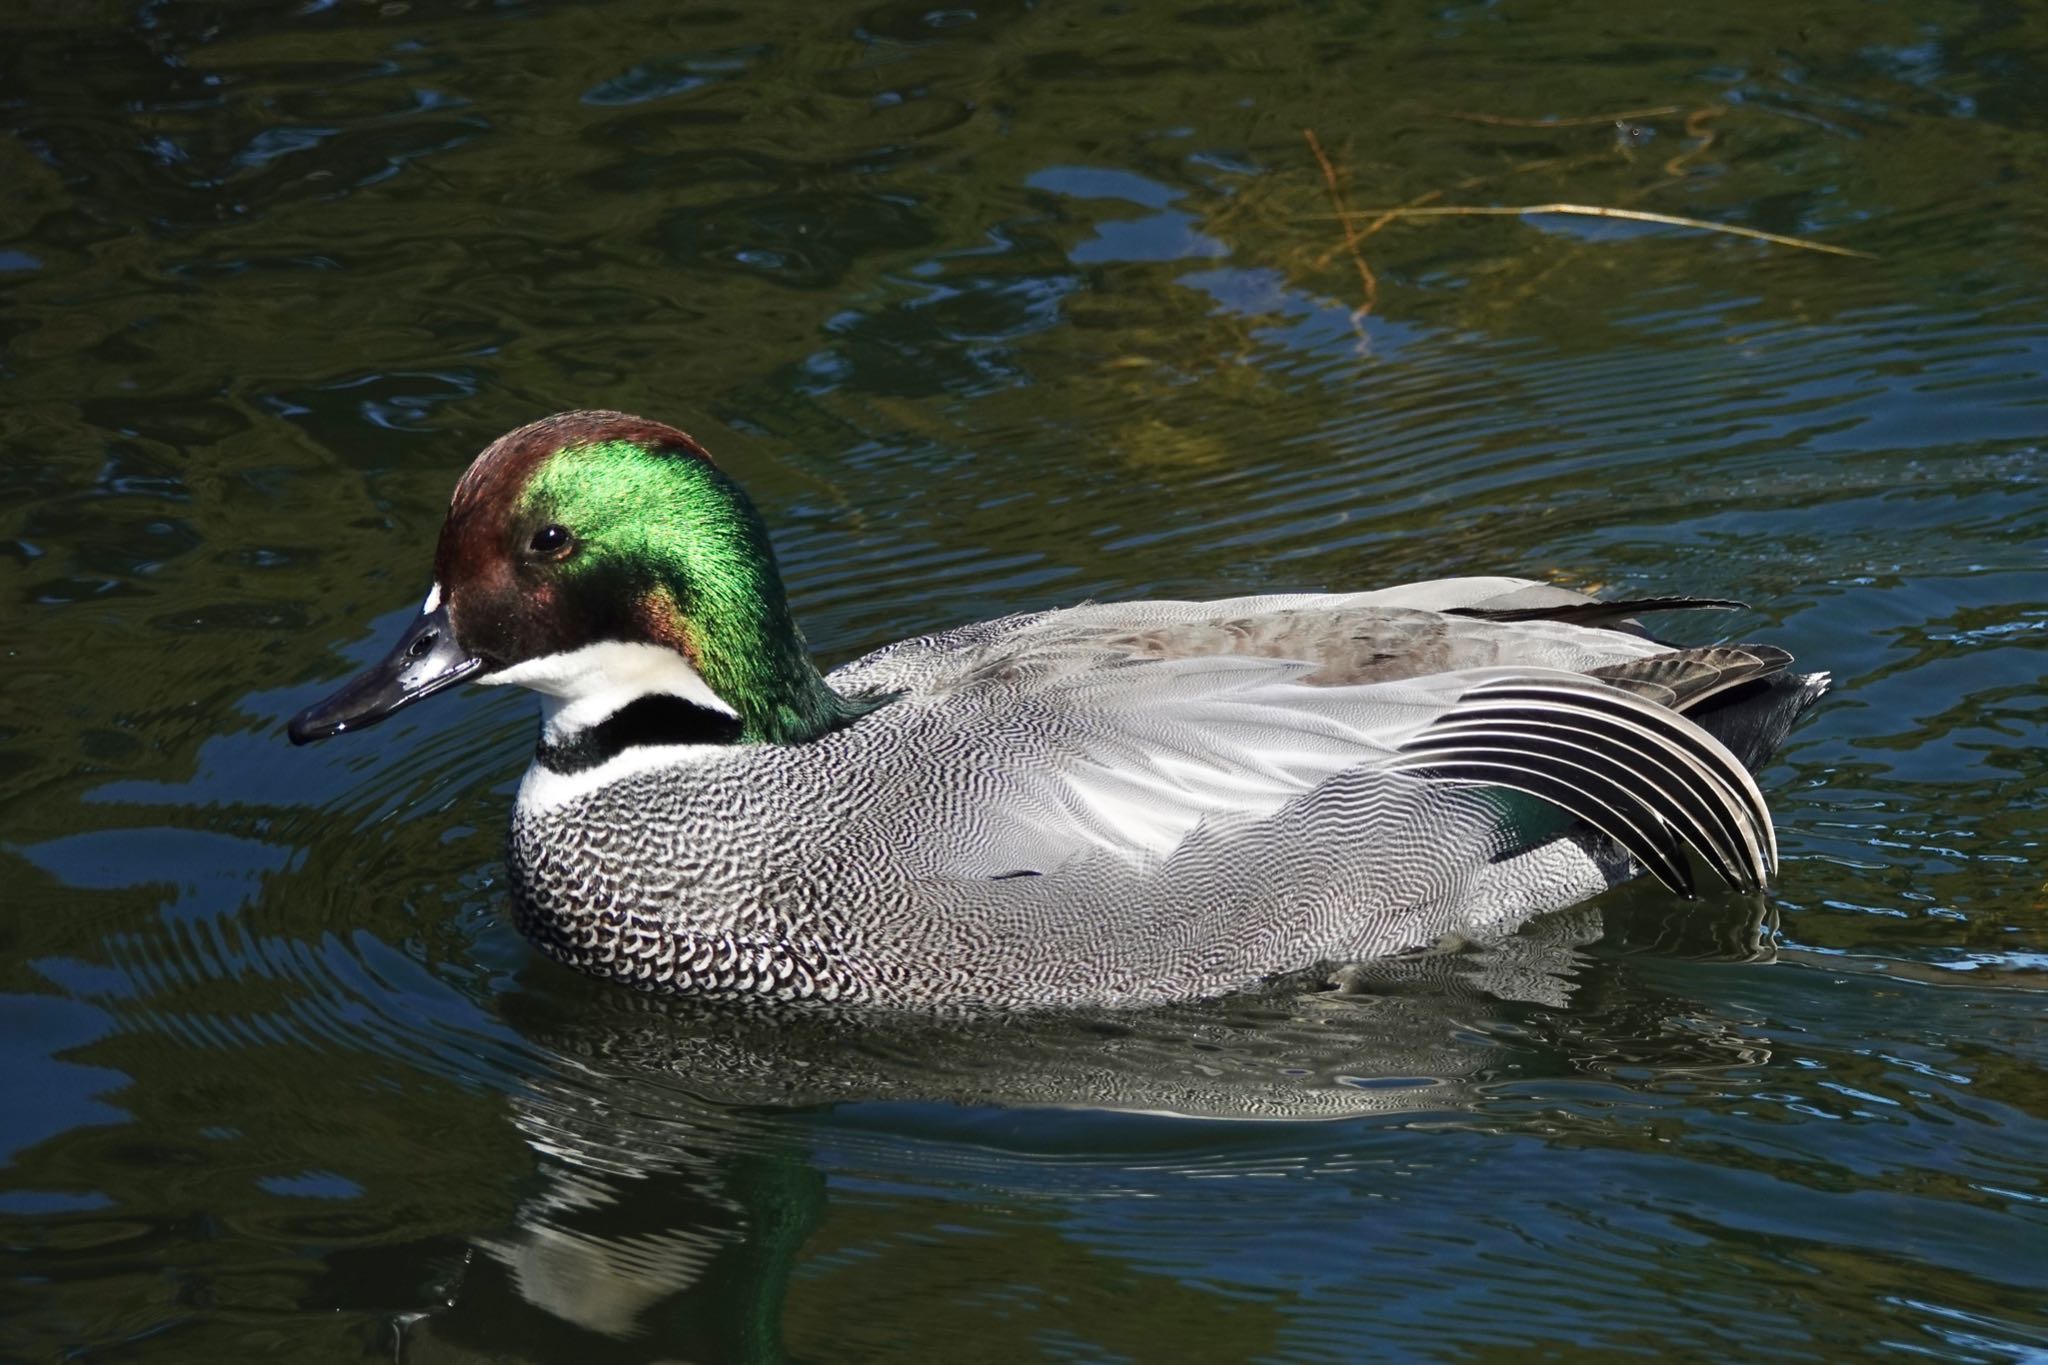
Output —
<point x="581" y="687"/>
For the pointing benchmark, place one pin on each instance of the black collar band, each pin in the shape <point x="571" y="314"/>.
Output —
<point x="656" y="719"/>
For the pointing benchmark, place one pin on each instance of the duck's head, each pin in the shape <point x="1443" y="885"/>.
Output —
<point x="601" y="559"/>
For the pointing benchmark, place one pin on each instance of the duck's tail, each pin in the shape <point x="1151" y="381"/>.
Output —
<point x="1753" y="720"/>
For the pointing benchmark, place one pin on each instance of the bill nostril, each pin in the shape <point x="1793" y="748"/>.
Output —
<point x="420" y="646"/>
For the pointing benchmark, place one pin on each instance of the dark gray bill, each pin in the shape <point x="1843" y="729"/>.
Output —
<point x="425" y="660"/>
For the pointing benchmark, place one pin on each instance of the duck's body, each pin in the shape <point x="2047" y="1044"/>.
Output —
<point x="1117" y="803"/>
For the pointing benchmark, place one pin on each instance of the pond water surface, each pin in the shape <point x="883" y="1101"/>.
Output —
<point x="994" y="308"/>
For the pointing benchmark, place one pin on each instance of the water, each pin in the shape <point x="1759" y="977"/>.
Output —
<point x="997" y="308"/>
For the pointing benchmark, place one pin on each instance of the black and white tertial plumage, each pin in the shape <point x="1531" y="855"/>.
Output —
<point x="1127" y="803"/>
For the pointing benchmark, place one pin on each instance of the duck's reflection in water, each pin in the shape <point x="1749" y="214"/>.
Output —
<point x="687" y="1154"/>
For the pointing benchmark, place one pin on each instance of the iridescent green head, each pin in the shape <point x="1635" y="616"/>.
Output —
<point x="594" y="529"/>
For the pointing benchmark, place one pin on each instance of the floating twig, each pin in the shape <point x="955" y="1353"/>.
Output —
<point x="1382" y="216"/>
<point x="1574" y="121"/>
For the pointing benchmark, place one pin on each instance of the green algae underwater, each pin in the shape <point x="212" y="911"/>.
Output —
<point x="991" y="309"/>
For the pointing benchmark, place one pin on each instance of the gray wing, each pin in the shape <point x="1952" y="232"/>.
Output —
<point x="1136" y="723"/>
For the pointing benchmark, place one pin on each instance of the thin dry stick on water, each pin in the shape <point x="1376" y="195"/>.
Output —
<point x="1596" y="211"/>
<point x="1351" y="236"/>
<point x="1575" y="121"/>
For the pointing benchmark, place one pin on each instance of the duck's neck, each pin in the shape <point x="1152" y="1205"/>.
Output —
<point x="751" y="657"/>
<point x="603" y="698"/>
<point x="707" y="608"/>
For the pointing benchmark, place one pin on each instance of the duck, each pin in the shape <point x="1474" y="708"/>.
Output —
<point x="1100" y="805"/>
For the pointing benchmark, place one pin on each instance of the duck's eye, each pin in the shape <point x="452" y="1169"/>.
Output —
<point x="552" y="541"/>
